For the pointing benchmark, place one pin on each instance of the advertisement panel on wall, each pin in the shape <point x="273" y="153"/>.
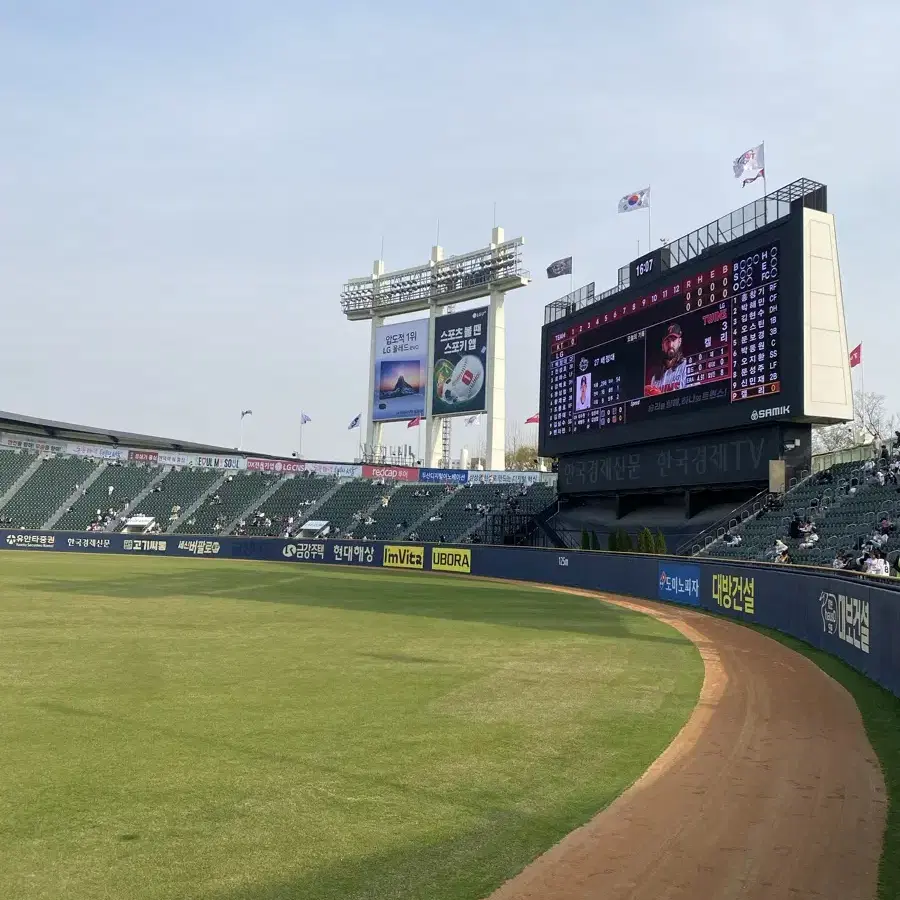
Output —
<point x="143" y="456"/>
<point x="333" y="470"/>
<point x="460" y="363"/>
<point x="679" y="583"/>
<point x="174" y="458"/>
<point x="279" y="466"/>
<point x="444" y="476"/>
<point x="491" y="477"/>
<point x="219" y="462"/>
<point x="32" y="444"/>
<point x="401" y="350"/>
<point x="392" y="473"/>
<point x="97" y="451"/>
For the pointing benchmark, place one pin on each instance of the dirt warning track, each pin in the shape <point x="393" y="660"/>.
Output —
<point x="770" y="791"/>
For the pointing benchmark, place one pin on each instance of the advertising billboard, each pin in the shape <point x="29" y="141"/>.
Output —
<point x="401" y="350"/>
<point x="460" y="363"/>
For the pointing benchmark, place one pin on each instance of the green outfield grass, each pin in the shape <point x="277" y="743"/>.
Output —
<point x="209" y="730"/>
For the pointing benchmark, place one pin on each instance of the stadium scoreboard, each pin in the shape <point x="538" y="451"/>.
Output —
<point x="713" y="344"/>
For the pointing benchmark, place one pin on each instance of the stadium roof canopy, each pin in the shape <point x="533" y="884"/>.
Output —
<point x="49" y="428"/>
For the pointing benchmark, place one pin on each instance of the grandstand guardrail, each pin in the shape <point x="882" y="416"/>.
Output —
<point x="855" y="618"/>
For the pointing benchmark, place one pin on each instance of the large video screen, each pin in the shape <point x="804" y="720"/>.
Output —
<point x="702" y="348"/>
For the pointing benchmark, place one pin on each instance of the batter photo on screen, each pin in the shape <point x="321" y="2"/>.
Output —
<point x="669" y="371"/>
<point x="583" y="392"/>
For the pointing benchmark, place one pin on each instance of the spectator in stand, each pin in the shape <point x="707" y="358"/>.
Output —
<point x="876" y="564"/>
<point x="842" y="560"/>
<point x="810" y="539"/>
<point x="732" y="540"/>
<point x="794" y="527"/>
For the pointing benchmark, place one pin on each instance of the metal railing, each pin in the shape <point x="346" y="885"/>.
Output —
<point x="738" y="224"/>
<point x="435" y="281"/>
<point x="737" y="517"/>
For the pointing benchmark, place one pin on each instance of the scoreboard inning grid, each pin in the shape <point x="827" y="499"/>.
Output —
<point x="708" y="339"/>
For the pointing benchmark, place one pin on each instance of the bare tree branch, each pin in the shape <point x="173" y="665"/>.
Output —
<point x="872" y="424"/>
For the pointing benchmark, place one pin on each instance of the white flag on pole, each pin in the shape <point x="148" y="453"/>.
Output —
<point x="474" y="420"/>
<point x="751" y="164"/>
<point x="635" y="200"/>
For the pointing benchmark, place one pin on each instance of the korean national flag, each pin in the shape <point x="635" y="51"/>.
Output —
<point x="635" y="200"/>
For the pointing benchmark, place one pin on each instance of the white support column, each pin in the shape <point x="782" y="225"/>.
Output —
<point x="373" y="429"/>
<point x="432" y="424"/>
<point x="496" y="384"/>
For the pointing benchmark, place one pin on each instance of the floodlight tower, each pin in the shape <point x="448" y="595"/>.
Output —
<point x="490" y="272"/>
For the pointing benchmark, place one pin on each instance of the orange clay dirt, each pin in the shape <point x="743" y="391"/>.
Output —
<point x="771" y="790"/>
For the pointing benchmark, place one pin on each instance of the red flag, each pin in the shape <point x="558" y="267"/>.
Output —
<point x="533" y="420"/>
<point x="856" y="356"/>
<point x="412" y="423"/>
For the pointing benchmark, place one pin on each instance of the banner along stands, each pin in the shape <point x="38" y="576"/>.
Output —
<point x="278" y="466"/>
<point x="391" y="473"/>
<point x="460" y="354"/>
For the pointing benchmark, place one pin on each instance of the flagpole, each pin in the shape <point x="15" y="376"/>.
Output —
<point x="862" y="390"/>
<point x="300" y="445"/>
<point x="765" y="189"/>
<point x="649" y="241"/>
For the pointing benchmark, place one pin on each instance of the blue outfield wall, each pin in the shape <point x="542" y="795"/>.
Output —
<point x="855" y="619"/>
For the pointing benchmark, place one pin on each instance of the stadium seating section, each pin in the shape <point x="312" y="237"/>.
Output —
<point x="462" y="512"/>
<point x="352" y="497"/>
<point x="217" y="511"/>
<point x="293" y="498"/>
<point x="406" y="505"/>
<point x="12" y="466"/>
<point x="180" y="488"/>
<point x="54" y="481"/>
<point x="126" y="481"/>
<point x="847" y="504"/>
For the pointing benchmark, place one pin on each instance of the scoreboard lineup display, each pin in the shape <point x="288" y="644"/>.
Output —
<point x="698" y="348"/>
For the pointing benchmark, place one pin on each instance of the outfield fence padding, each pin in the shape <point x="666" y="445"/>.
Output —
<point x="855" y="619"/>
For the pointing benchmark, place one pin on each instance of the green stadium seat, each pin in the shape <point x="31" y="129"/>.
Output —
<point x="235" y="495"/>
<point x="177" y="491"/>
<point x="49" y="487"/>
<point x="127" y="481"/>
<point x="293" y="496"/>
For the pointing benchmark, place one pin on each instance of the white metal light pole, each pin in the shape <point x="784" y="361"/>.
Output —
<point x="491" y="272"/>
<point x="244" y="414"/>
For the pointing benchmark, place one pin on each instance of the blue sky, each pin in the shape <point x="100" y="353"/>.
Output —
<point x="184" y="187"/>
